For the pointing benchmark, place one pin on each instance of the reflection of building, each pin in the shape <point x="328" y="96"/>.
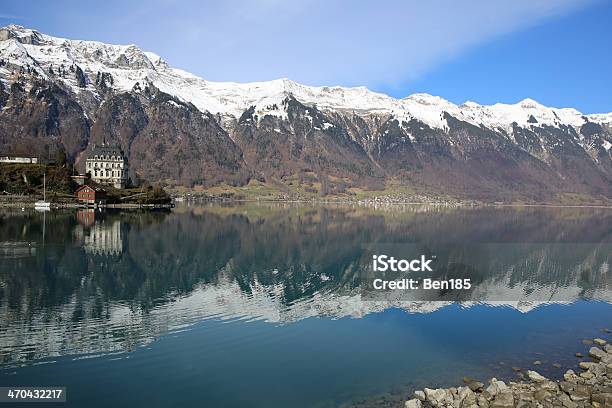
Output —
<point x="107" y="165"/>
<point x="91" y="195"/>
<point x="104" y="238"/>
<point x="86" y="217"/>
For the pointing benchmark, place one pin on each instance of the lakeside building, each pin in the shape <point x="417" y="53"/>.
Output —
<point x="18" y="159"/>
<point x="108" y="165"/>
<point x="91" y="195"/>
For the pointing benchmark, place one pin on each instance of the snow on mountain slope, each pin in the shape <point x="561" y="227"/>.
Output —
<point x="128" y="65"/>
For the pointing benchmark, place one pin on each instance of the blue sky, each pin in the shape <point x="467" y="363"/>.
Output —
<point x="554" y="51"/>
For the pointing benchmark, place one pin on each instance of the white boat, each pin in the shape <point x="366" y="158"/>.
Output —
<point x="44" y="204"/>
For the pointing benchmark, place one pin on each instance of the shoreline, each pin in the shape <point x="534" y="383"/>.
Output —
<point x="592" y="387"/>
<point x="62" y="206"/>
<point x="30" y="204"/>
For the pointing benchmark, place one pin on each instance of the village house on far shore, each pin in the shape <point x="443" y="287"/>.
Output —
<point x="108" y="165"/>
<point x="10" y="158"/>
<point x="14" y="159"/>
<point x="91" y="195"/>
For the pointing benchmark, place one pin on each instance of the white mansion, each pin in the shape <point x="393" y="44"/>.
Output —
<point x="107" y="165"/>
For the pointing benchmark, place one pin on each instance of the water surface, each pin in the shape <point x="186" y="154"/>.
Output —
<point x="261" y="304"/>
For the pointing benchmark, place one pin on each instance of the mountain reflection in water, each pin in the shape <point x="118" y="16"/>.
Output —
<point x="105" y="282"/>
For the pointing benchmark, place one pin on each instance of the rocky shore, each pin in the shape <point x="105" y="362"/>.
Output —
<point x="591" y="387"/>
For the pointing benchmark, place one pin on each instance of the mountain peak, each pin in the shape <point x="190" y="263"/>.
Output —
<point x="530" y="103"/>
<point x="128" y="65"/>
<point x="21" y="34"/>
<point x="16" y="28"/>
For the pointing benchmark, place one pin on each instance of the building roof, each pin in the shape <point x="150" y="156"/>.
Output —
<point x="105" y="150"/>
<point x="94" y="188"/>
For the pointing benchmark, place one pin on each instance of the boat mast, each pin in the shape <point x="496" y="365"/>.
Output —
<point x="44" y="187"/>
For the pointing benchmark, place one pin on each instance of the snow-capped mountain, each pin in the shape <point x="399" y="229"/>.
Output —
<point x="128" y="66"/>
<point x="278" y="129"/>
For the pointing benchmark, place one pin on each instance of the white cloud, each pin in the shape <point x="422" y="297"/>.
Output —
<point x="321" y="42"/>
<point x="348" y="42"/>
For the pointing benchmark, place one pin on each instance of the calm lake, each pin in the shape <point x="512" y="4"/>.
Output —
<point x="261" y="305"/>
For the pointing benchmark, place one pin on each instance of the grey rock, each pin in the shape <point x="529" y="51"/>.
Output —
<point x="570" y="375"/>
<point x="525" y="396"/>
<point x="605" y="399"/>
<point x="487" y="395"/>
<point x="580" y="394"/>
<point x="495" y="387"/>
<point x="598" y="369"/>
<point x="548" y="386"/>
<point x="600" y="342"/>
<point x="542" y="395"/>
<point x="535" y="376"/>
<point x="585" y="365"/>
<point x="577" y="392"/>
<point x="592" y="388"/>
<point x="505" y="399"/>
<point x="475" y="385"/>
<point x="466" y="396"/>
<point x="420" y="395"/>
<point x="413" y="403"/>
<point x="483" y="402"/>
<point x="566" y="401"/>
<point x="598" y="354"/>
<point x="438" y="396"/>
